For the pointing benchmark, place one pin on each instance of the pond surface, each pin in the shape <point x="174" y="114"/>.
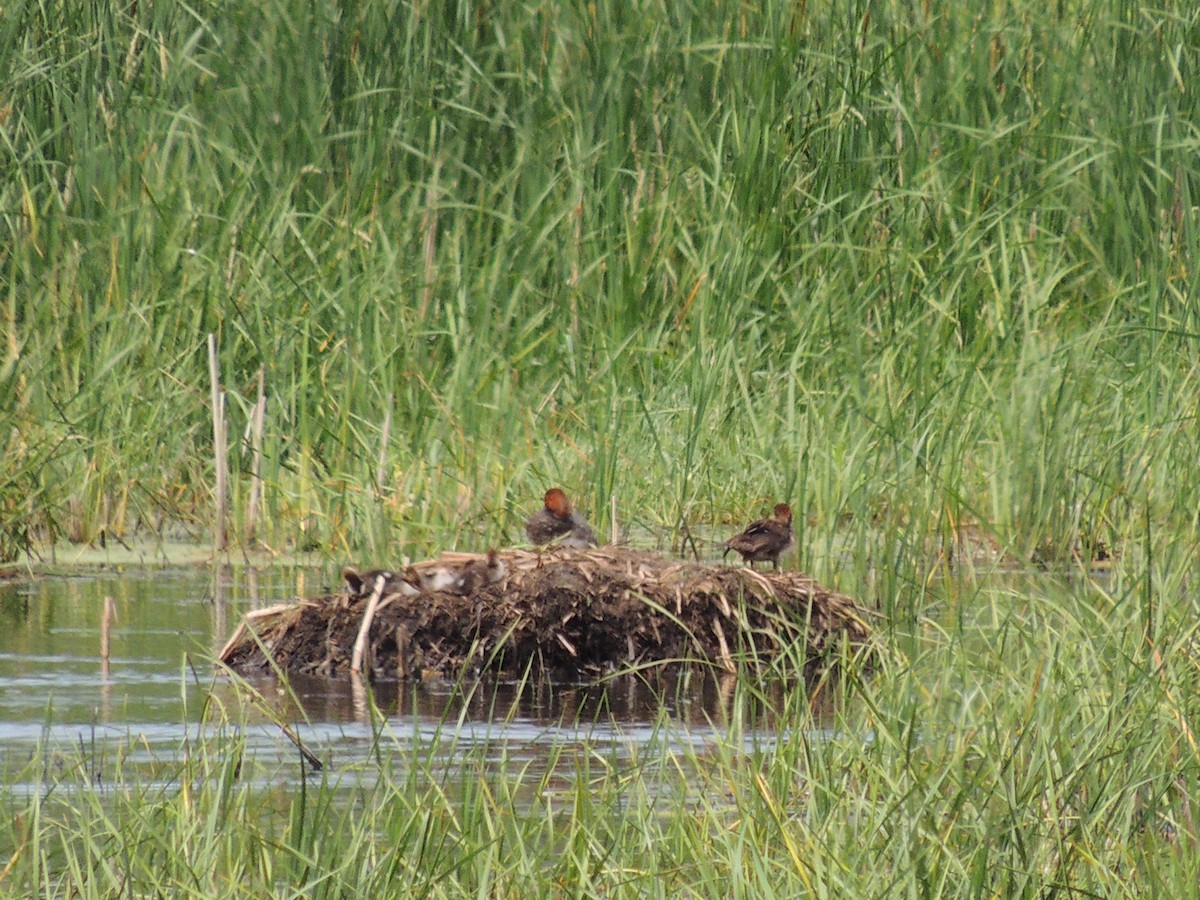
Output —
<point x="145" y="705"/>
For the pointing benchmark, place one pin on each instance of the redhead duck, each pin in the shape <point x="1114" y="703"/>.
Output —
<point x="556" y="519"/>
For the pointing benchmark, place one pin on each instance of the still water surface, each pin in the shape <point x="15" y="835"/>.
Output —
<point x="55" y="694"/>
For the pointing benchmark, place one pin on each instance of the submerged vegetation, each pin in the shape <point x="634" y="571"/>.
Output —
<point x="923" y="271"/>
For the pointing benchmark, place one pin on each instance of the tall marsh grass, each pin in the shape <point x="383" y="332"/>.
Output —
<point x="926" y="272"/>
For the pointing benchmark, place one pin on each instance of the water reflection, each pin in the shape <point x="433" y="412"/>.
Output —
<point x="54" y="681"/>
<point x="699" y="698"/>
<point x="158" y="683"/>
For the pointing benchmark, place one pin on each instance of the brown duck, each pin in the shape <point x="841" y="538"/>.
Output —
<point x="765" y="540"/>
<point x="556" y="519"/>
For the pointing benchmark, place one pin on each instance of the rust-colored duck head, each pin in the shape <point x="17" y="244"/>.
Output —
<point x="783" y="514"/>
<point x="556" y="519"/>
<point x="557" y="503"/>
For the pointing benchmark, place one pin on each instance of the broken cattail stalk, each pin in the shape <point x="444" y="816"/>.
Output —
<point x="360" y="643"/>
<point x="567" y="645"/>
<point x="271" y="612"/>
<point x="257" y="426"/>
<point x="220" y="462"/>
<point x="106" y="618"/>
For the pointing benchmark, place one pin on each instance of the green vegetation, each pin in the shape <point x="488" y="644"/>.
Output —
<point x="924" y="270"/>
<point x="917" y="270"/>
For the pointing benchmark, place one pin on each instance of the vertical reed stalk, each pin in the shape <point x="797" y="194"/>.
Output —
<point x="220" y="460"/>
<point x="258" y="424"/>
<point x="220" y="604"/>
<point x="106" y="619"/>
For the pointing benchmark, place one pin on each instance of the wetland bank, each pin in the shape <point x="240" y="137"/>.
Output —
<point x="924" y="274"/>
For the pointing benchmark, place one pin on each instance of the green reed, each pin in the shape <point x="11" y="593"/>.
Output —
<point x="922" y="272"/>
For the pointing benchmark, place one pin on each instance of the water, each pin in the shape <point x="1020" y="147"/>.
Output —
<point x="145" y="706"/>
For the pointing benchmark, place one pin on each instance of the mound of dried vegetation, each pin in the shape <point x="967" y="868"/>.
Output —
<point x="560" y="612"/>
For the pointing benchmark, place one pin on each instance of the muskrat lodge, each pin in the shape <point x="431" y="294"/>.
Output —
<point x="562" y="612"/>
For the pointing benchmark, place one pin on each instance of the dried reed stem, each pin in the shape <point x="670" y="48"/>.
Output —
<point x="220" y="460"/>
<point x="257" y="427"/>
<point x="360" y="643"/>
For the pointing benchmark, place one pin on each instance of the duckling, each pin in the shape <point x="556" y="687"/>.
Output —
<point x="556" y="519"/>
<point x="479" y="573"/>
<point x="765" y="540"/>
<point x="440" y="579"/>
<point x="359" y="583"/>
